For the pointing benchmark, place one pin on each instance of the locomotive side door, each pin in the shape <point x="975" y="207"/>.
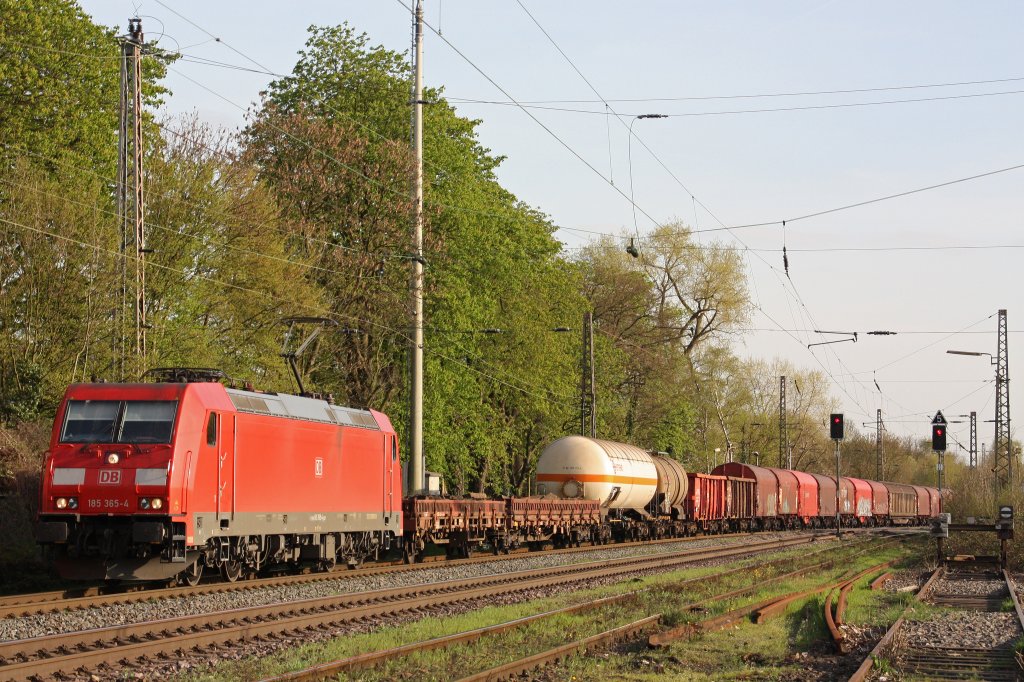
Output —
<point x="390" y="462"/>
<point x="225" y="450"/>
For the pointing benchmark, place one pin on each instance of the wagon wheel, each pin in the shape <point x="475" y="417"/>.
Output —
<point x="191" y="575"/>
<point x="231" y="570"/>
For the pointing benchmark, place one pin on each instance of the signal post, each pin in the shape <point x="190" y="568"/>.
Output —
<point x="939" y="447"/>
<point x="836" y="432"/>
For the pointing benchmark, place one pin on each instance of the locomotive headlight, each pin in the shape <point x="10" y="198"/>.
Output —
<point x="158" y="503"/>
<point x="113" y="458"/>
<point x="62" y="503"/>
<point x="144" y="503"/>
<point x="72" y="503"/>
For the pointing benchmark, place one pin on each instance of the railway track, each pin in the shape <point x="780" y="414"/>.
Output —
<point x="110" y="648"/>
<point x="947" y="646"/>
<point x="630" y="631"/>
<point x="103" y="595"/>
<point x="93" y="596"/>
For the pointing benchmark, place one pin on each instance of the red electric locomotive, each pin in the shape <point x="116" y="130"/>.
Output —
<point x="153" y="481"/>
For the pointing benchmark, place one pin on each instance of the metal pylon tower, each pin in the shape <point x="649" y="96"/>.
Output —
<point x="974" y="440"/>
<point x="588" y="391"/>
<point x="878" y="445"/>
<point x="783" y="430"/>
<point x="1001" y="451"/>
<point x="131" y="323"/>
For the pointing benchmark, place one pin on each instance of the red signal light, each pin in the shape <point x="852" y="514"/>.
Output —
<point x="836" y="426"/>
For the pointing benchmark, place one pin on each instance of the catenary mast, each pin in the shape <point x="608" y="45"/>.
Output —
<point x="416" y="459"/>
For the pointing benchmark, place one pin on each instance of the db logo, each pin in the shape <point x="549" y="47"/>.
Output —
<point x="110" y="477"/>
<point x="319" y="468"/>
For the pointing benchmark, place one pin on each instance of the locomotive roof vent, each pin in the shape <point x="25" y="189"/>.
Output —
<point x="184" y="375"/>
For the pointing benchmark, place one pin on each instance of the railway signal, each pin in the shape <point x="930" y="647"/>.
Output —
<point x="939" y="446"/>
<point x="836" y="426"/>
<point x="836" y="432"/>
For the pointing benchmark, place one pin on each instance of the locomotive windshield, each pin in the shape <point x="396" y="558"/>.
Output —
<point x="114" y="421"/>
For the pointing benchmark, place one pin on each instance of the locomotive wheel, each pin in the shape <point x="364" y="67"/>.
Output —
<point x="231" y="570"/>
<point x="191" y="575"/>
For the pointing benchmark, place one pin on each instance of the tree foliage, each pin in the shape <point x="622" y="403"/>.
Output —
<point x="307" y="212"/>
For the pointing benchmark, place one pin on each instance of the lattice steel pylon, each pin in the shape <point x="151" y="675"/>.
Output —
<point x="588" y="390"/>
<point x="783" y="427"/>
<point x="1002" y="462"/>
<point x="131" y="319"/>
<point x="974" y="439"/>
<point x="878" y="445"/>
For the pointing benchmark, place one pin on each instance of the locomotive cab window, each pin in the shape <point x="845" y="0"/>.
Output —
<point x="90" y="421"/>
<point x="115" y="421"/>
<point x="147" y="421"/>
<point x="211" y="430"/>
<point x="394" y="448"/>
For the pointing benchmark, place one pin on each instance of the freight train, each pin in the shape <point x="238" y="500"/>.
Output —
<point x="159" y="481"/>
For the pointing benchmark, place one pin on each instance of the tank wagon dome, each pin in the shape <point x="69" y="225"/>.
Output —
<point x="621" y="476"/>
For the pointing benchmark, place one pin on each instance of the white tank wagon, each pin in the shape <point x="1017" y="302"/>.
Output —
<point x="620" y="476"/>
<point x="673" y="486"/>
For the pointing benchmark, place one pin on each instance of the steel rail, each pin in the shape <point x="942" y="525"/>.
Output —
<point x="100" y="595"/>
<point x="130" y="642"/>
<point x="509" y="670"/>
<point x="759" y="611"/>
<point x="364" y="660"/>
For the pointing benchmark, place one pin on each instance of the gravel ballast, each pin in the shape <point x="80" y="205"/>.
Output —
<point x="138" y="612"/>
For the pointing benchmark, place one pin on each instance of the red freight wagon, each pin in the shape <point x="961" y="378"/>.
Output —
<point x="150" y="481"/>
<point x="807" y="496"/>
<point x="923" y="501"/>
<point x="934" y="502"/>
<point x="707" y="500"/>
<point x="847" y="497"/>
<point x="862" y="499"/>
<point x="742" y="501"/>
<point x="879" y="501"/>
<point x="766" y="486"/>
<point x="902" y="502"/>
<point x="789" y="491"/>
<point x="826" y="495"/>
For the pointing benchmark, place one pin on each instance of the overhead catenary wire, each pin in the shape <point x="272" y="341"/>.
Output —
<point x="765" y="110"/>
<point x="673" y="175"/>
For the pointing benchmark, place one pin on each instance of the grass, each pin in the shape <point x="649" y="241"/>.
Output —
<point x="772" y="648"/>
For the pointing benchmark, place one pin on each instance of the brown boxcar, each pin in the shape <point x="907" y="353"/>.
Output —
<point x="934" y="502"/>
<point x="902" y="502"/>
<point x="879" y="501"/>
<point x="766" y="486"/>
<point x="742" y="499"/>
<point x="826" y="495"/>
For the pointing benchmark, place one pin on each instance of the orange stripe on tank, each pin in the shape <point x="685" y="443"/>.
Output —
<point x="597" y="478"/>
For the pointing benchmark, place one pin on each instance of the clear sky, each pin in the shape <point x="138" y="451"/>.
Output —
<point x="743" y="164"/>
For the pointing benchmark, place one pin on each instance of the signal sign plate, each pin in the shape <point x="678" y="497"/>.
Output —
<point x="938" y="418"/>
